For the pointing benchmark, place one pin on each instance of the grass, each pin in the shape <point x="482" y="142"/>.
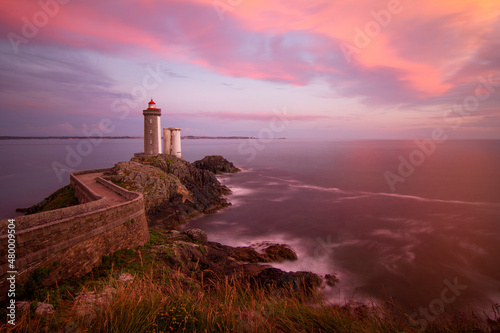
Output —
<point x="160" y="299"/>
<point x="63" y="197"/>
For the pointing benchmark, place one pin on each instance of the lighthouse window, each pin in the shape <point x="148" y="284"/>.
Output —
<point x="150" y="120"/>
<point x="150" y="142"/>
<point x="150" y="131"/>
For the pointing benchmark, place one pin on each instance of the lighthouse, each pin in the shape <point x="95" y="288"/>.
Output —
<point x="152" y="129"/>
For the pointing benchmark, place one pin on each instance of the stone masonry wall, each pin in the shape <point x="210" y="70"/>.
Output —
<point x="73" y="245"/>
<point x="83" y="193"/>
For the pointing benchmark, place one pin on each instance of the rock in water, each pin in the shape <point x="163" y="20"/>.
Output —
<point x="280" y="253"/>
<point x="331" y="280"/>
<point x="274" y="278"/>
<point x="216" y="164"/>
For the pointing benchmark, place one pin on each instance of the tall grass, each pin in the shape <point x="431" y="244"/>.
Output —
<point x="160" y="299"/>
<point x="170" y="302"/>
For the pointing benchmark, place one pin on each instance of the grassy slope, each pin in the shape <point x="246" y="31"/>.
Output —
<point x="163" y="300"/>
<point x="64" y="197"/>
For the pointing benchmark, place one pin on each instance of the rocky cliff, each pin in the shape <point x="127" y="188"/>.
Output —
<point x="174" y="189"/>
<point x="196" y="258"/>
<point x="216" y="164"/>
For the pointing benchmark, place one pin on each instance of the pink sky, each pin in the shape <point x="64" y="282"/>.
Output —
<point x="335" y="69"/>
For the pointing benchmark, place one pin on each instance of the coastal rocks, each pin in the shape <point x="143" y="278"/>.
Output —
<point x="197" y="235"/>
<point x="196" y="261"/>
<point x="272" y="253"/>
<point x="174" y="190"/>
<point x="280" y="253"/>
<point x="216" y="164"/>
<point x="331" y="280"/>
<point x="274" y="278"/>
<point x="245" y="254"/>
<point x="189" y="253"/>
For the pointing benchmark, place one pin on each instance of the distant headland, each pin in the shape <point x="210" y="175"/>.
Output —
<point x="189" y="137"/>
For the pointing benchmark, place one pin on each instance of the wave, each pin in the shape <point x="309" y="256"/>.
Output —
<point x="363" y="194"/>
<point x="414" y="197"/>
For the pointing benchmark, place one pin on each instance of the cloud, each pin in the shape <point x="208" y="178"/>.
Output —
<point x="423" y="57"/>
<point x="61" y="129"/>
<point x="66" y="77"/>
<point x="250" y="116"/>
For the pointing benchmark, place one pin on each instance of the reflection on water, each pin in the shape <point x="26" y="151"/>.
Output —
<point x="330" y="201"/>
<point x="380" y="244"/>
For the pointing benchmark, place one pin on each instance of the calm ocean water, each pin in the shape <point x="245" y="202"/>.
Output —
<point x="434" y="240"/>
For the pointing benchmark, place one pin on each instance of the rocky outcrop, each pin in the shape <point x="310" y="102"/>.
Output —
<point x="206" y="261"/>
<point x="274" y="278"/>
<point x="216" y="164"/>
<point x="280" y="252"/>
<point x="63" y="197"/>
<point x="197" y="235"/>
<point x="271" y="253"/>
<point x="174" y="190"/>
<point x="331" y="280"/>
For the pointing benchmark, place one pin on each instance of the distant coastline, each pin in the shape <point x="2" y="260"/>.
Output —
<point x="189" y="137"/>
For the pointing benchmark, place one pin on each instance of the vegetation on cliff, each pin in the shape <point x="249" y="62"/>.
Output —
<point x="63" y="197"/>
<point x="162" y="287"/>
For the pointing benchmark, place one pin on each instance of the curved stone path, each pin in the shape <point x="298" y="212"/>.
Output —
<point x="112" y="198"/>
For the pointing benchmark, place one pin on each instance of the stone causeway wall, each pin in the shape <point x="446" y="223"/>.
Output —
<point x="71" y="241"/>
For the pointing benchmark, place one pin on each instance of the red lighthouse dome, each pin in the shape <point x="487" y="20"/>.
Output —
<point x="151" y="104"/>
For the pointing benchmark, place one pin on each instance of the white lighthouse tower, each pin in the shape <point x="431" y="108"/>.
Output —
<point x="152" y="129"/>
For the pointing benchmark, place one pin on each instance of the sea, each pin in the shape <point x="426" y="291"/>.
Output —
<point x="415" y="223"/>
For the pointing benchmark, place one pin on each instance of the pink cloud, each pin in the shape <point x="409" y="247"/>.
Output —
<point x="60" y="129"/>
<point x="426" y="50"/>
<point x="254" y="116"/>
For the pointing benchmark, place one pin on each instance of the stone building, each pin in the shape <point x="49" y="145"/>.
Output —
<point x="152" y="129"/>
<point x="153" y="134"/>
